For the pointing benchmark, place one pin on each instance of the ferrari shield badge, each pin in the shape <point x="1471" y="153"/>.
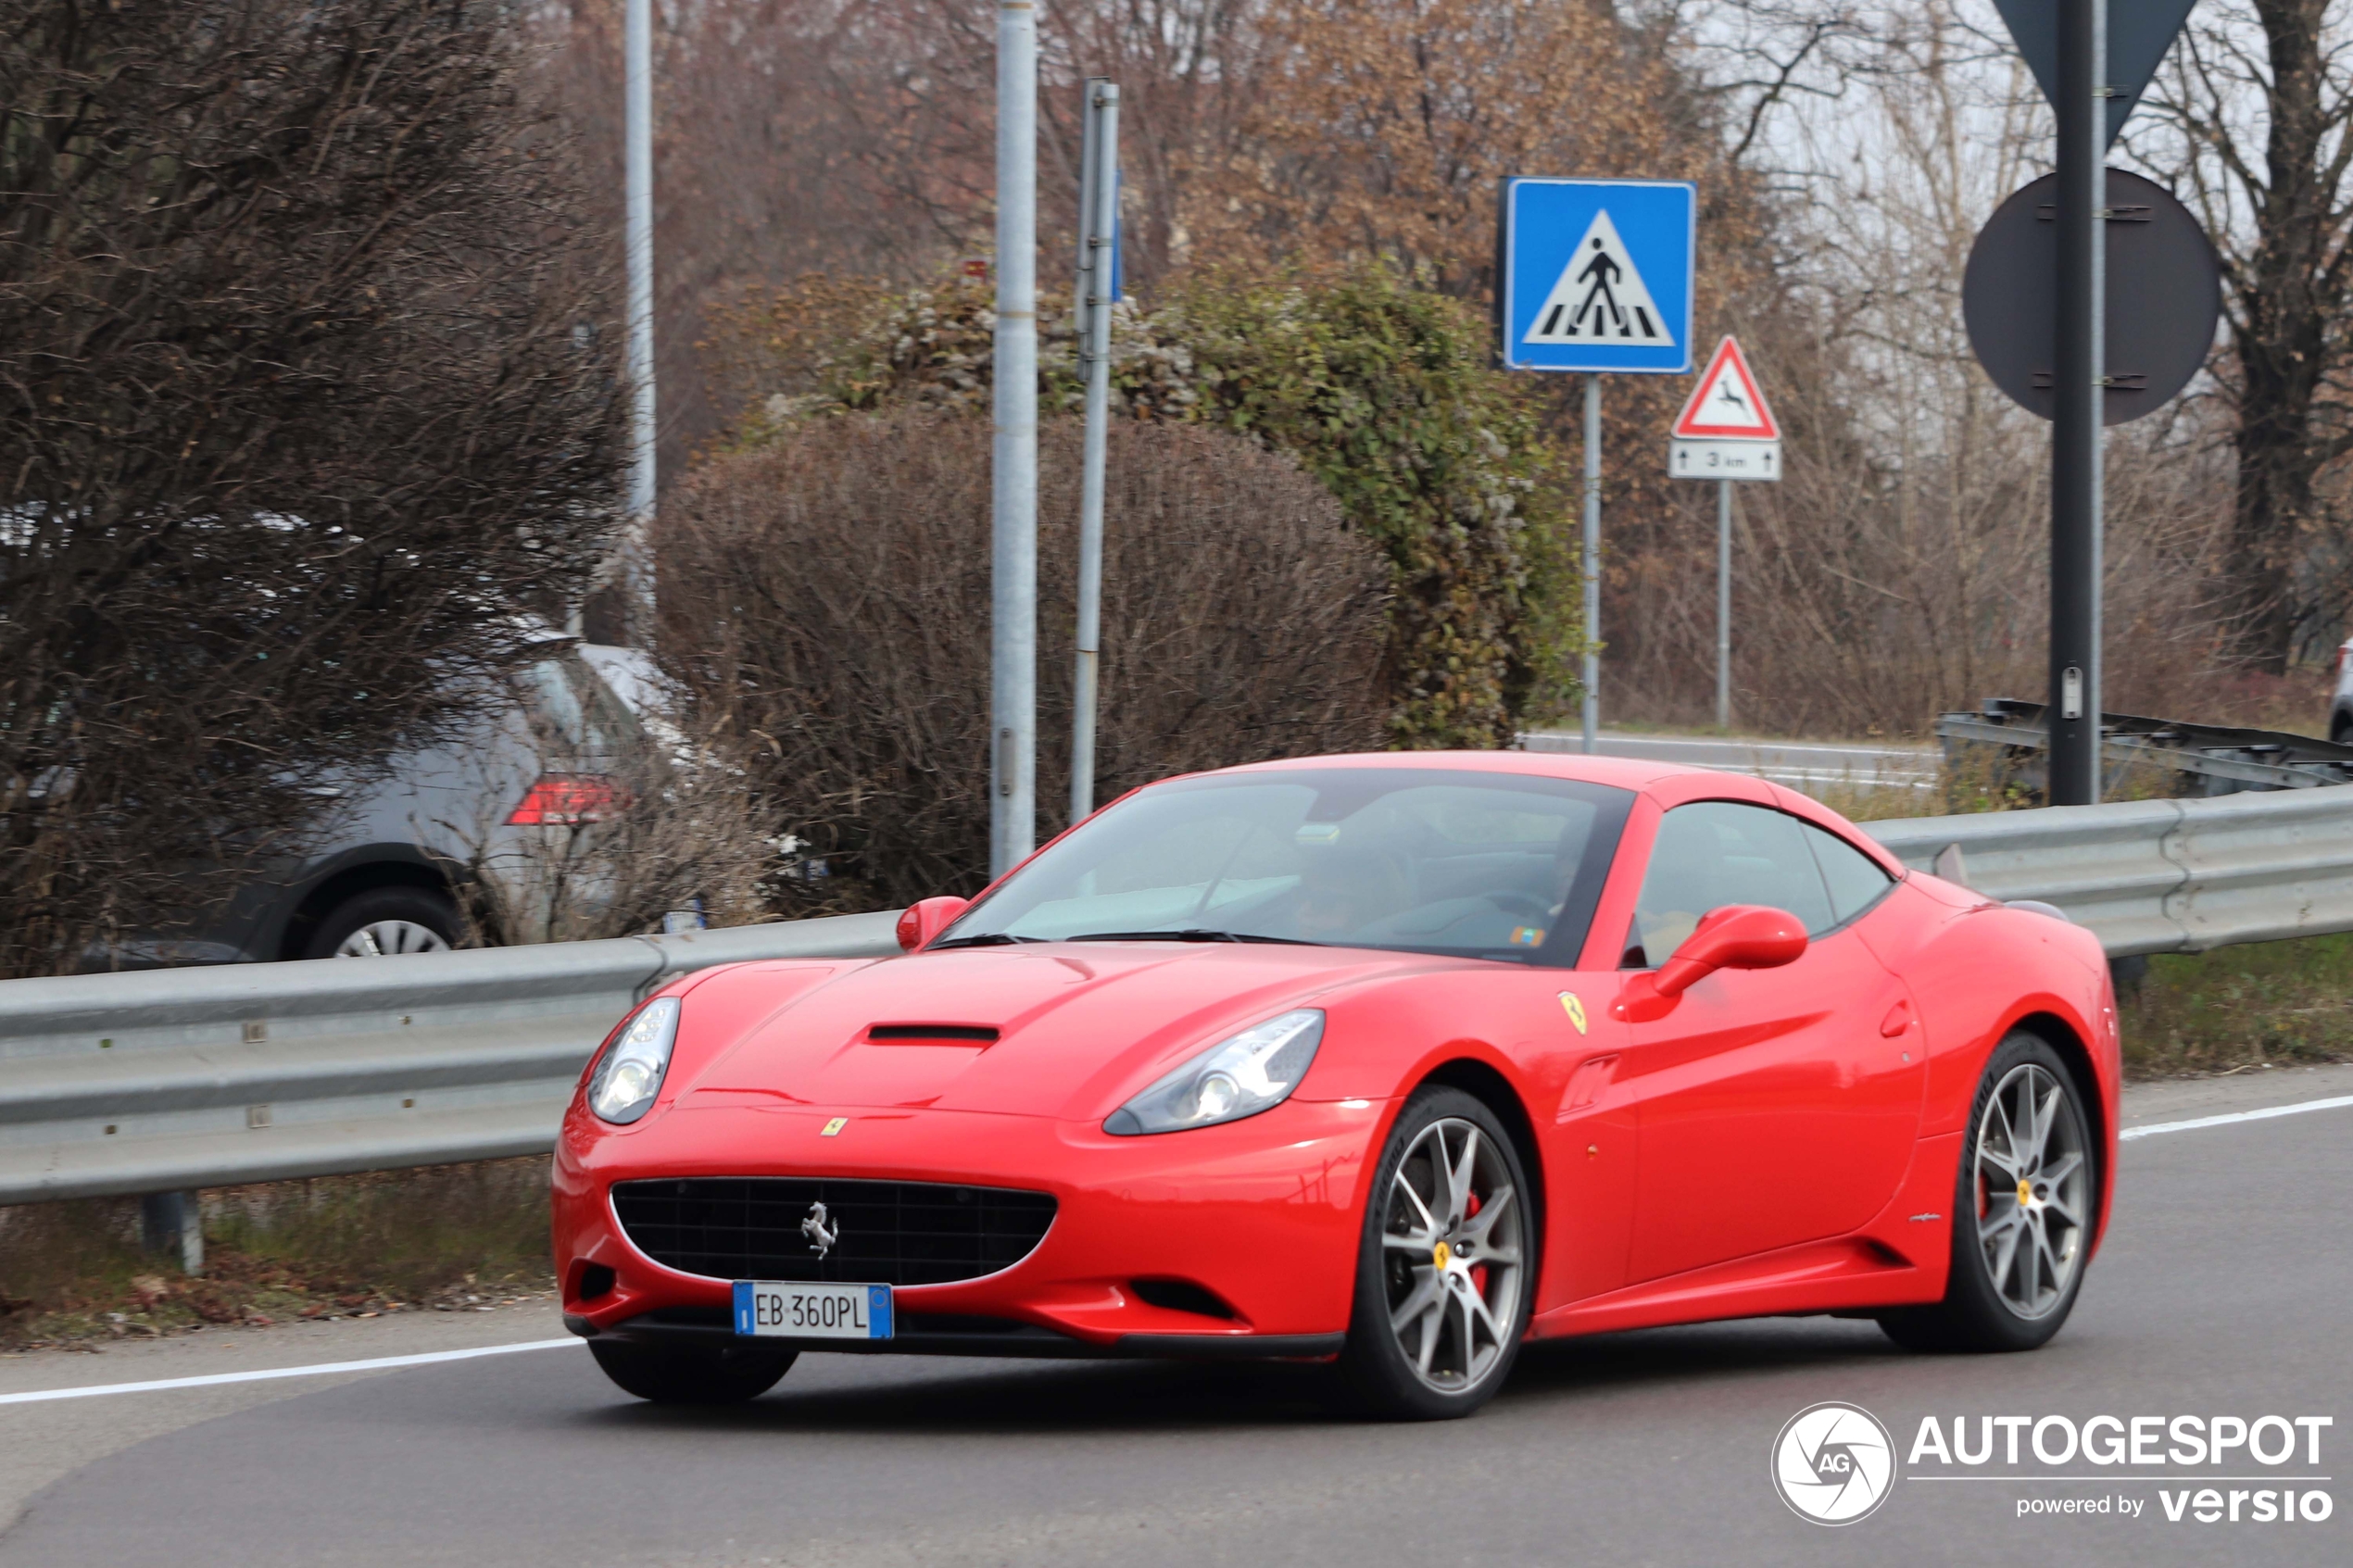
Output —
<point x="1574" y="1009"/>
<point x="834" y="1128"/>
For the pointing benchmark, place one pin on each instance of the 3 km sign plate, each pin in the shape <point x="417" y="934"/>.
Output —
<point x="1596" y="275"/>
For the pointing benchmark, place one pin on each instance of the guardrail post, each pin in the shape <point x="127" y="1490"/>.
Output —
<point x="174" y="1222"/>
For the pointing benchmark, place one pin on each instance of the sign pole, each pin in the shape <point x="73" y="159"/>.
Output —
<point x="1013" y="792"/>
<point x="1593" y="559"/>
<point x="1724" y="604"/>
<point x="1594" y="277"/>
<point x="1098" y="236"/>
<point x="2073" y="714"/>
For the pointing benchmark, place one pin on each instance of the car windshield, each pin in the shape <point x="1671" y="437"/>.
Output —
<point x="1410" y="860"/>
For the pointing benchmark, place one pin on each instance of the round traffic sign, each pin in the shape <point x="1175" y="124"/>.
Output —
<point x="2164" y="296"/>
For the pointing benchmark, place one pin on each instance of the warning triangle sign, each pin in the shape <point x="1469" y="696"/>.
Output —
<point x="1600" y="296"/>
<point x="1726" y="405"/>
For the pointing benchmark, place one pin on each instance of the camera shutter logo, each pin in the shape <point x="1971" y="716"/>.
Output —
<point x="1834" y="1463"/>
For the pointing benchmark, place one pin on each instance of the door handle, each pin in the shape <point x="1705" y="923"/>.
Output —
<point x="1898" y="1018"/>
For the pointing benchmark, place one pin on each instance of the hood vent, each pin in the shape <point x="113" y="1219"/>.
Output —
<point x="943" y="1034"/>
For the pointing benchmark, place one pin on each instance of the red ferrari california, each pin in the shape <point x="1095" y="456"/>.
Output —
<point x="1394" y="1061"/>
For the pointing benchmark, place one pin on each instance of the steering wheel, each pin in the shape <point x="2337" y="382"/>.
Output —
<point x="1512" y="901"/>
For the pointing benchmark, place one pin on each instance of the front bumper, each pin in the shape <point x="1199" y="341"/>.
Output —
<point x="1263" y="1215"/>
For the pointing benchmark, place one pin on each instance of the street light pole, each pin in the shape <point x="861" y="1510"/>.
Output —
<point x="637" y="167"/>
<point x="1013" y="792"/>
<point x="2078" y="363"/>
<point x="1098" y="271"/>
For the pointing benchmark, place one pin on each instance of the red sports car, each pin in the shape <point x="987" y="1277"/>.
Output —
<point x="1396" y="1061"/>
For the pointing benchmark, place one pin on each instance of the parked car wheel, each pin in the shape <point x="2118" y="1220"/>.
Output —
<point x="692" y="1374"/>
<point x="1442" y="1287"/>
<point x="2023" y="1211"/>
<point x="384" y="921"/>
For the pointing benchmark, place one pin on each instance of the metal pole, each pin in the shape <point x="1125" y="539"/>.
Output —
<point x="1592" y="558"/>
<point x="637" y="75"/>
<point x="1087" y="154"/>
<point x="1099" y="233"/>
<point x="2078" y="363"/>
<point x="1013" y="795"/>
<point x="1724" y="604"/>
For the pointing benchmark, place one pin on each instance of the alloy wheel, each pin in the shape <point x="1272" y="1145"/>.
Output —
<point x="1453" y="1244"/>
<point x="2033" y="1189"/>
<point x="385" y="938"/>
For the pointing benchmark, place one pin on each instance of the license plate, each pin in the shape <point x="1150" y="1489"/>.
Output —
<point x="785" y="1310"/>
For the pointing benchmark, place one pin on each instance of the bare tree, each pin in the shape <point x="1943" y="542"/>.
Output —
<point x="305" y="396"/>
<point x="2254" y="121"/>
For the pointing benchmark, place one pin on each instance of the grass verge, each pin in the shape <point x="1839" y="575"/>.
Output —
<point x="2240" y="1008"/>
<point x="446" y="1238"/>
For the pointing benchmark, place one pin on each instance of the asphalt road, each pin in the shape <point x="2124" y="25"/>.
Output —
<point x="2224" y="1289"/>
<point x="1803" y="765"/>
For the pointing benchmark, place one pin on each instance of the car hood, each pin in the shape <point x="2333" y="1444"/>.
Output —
<point x="1078" y="1026"/>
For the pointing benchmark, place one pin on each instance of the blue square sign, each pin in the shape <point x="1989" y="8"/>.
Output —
<point x="1597" y="275"/>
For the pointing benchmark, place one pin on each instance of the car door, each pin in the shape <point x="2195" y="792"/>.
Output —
<point x="1773" y="1106"/>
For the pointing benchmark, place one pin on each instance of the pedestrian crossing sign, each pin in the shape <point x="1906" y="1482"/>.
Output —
<point x="1596" y="275"/>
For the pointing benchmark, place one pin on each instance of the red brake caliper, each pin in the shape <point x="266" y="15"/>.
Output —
<point x="1478" y="1271"/>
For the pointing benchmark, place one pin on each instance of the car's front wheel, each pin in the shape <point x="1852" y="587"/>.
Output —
<point x="1447" y="1265"/>
<point x="385" y="922"/>
<point x="2023" y="1210"/>
<point x="692" y="1374"/>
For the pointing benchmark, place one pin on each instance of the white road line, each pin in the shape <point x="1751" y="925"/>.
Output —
<point x="384" y="1362"/>
<point x="2269" y="1111"/>
<point x="320" y="1368"/>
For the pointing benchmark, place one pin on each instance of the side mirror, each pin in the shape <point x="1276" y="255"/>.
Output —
<point x="926" y="919"/>
<point x="1735" y="936"/>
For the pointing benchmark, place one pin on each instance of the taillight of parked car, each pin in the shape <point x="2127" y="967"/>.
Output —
<point x="568" y="800"/>
<point x="2336" y="665"/>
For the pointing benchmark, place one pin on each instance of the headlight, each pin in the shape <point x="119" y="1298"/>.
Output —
<point x="1255" y="1070"/>
<point x="630" y="1075"/>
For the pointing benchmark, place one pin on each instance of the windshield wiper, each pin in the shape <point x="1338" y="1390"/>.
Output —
<point x="1193" y="934"/>
<point x="986" y="939"/>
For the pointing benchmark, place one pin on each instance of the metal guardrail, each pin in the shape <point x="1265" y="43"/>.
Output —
<point x="2160" y="876"/>
<point x="177" y="1079"/>
<point x="170" y="1079"/>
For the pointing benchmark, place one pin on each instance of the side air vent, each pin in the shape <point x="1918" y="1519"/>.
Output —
<point x="1182" y="1296"/>
<point x="978" y="1034"/>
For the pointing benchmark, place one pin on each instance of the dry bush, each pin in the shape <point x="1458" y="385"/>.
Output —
<point x="827" y="602"/>
<point x="683" y="830"/>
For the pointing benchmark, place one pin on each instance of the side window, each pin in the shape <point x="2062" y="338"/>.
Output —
<point x="1716" y="852"/>
<point x="1856" y="879"/>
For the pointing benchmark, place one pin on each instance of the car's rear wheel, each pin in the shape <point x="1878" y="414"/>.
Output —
<point x="385" y="922"/>
<point x="2022" y="1213"/>
<point x="1447" y="1264"/>
<point x="692" y="1374"/>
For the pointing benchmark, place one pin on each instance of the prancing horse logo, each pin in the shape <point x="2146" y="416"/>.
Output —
<point x="821" y="1236"/>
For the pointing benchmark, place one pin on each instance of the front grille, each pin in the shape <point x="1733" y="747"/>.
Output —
<point x="886" y="1232"/>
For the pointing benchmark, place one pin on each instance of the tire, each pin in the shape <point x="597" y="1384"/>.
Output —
<point x="681" y="1375"/>
<point x="1471" y="1263"/>
<point x="2017" y="1263"/>
<point x="384" y="922"/>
